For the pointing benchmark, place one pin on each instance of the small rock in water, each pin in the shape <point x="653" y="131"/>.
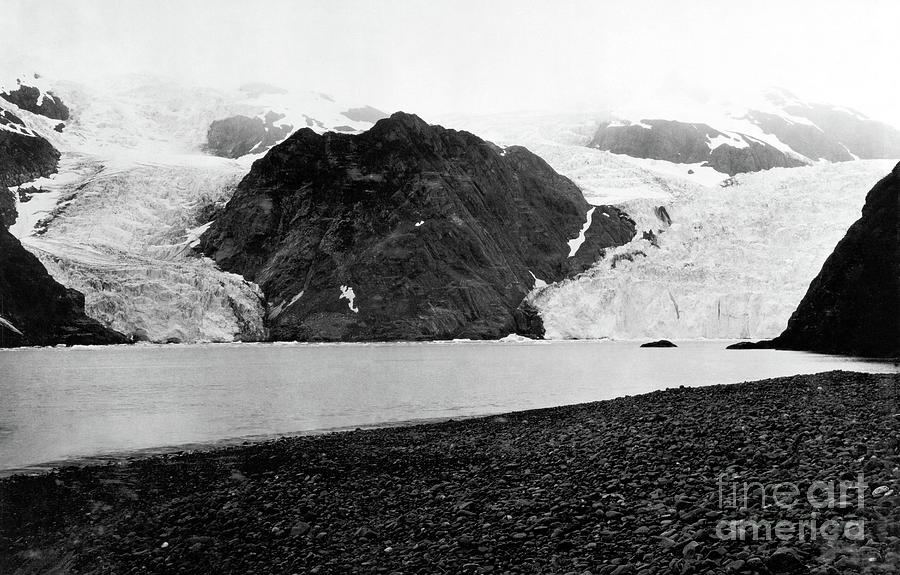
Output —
<point x="659" y="343"/>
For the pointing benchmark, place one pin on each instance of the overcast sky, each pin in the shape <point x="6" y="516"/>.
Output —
<point x="435" y="56"/>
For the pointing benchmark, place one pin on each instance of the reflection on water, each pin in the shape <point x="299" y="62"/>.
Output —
<point x="65" y="403"/>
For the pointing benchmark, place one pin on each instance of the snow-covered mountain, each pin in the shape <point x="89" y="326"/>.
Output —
<point x="135" y="188"/>
<point x="775" y="129"/>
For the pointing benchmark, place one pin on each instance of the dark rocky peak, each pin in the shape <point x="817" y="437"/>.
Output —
<point x="406" y="231"/>
<point x="24" y="156"/>
<point x="401" y="125"/>
<point x="36" y="101"/>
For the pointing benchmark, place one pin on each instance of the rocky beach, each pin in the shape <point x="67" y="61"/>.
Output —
<point x="666" y="482"/>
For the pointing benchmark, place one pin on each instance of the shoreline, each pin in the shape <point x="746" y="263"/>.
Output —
<point x="504" y="340"/>
<point x="621" y="486"/>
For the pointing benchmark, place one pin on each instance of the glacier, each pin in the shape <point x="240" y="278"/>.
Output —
<point x="733" y="264"/>
<point x="134" y="192"/>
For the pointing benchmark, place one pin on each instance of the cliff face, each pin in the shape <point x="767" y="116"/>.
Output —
<point x="24" y="156"/>
<point x="690" y="143"/>
<point x="853" y="305"/>
<point x="407" y="231"/>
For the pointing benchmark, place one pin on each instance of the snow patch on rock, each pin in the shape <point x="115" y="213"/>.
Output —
<point x="348" y="294"/>
<point x="5" y="322"/>
<point x="575" y="244"/>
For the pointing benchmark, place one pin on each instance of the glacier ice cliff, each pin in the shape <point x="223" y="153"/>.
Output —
<point x="733" y="263"/>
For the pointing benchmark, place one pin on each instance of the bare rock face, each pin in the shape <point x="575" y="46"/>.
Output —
<point x="24" y="156"/>
<point x="240" y="135"/>
<point x="853" y="305"/>
<point x="31" y="99"/>
<point x="405" y="232"/>
<point x="689" y="143"/>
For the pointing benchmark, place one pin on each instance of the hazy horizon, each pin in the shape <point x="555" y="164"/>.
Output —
<point x="435" y="58"/>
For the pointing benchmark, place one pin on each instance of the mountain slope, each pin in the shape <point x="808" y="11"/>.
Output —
<point x="407" y="231"/>
<point x="853" y="305"/>
<point x="266" y="115"/>
<point x="776" y="130"/>
<point x="691" y="143"/>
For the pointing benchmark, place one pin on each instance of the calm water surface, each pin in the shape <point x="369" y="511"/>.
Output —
<point x="58" y="404"/>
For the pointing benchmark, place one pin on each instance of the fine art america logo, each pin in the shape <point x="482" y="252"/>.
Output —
<point x="843" y="496"/>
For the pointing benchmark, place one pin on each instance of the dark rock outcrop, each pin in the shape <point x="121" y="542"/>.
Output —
<point x="24" y="157"/>
<point x="36" y="310"/>
<point x="689" y="143"/>
<point x="8" y="214"/>
<point x="31" y="99"/>
<point x="240" y="135"/>
<point x="407" y="231"/>
<point x="659" y="343"/>
<point x="853" y="306"/>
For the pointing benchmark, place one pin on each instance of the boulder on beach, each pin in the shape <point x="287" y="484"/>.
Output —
<point x="659" y="343"/>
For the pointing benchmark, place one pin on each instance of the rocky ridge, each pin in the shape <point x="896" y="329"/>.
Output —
<point x="779" y="130"/>
<point x="36" y="100"/>
<point x="691" y="143"/>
